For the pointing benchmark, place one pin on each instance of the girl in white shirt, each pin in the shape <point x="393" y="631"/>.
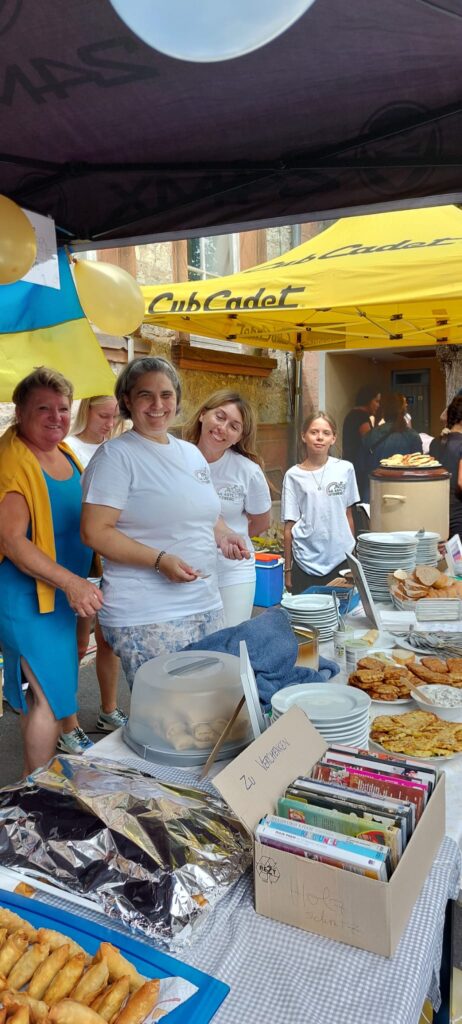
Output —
<point x="95" y="422"/>
<point x="317" y="496"/>
<point x="224" y="430"/>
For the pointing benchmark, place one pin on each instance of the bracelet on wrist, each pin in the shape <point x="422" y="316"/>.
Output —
<point x="157" y="561"/>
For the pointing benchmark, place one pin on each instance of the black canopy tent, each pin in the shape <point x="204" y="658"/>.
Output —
<point x="358" y="105"/>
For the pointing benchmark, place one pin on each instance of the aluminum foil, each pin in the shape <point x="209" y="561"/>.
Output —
<point x="153" y="855"/>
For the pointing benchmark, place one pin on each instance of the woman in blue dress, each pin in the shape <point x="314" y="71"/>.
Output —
<point x="43" y="563"/>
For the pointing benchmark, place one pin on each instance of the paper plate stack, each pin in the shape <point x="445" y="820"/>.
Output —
<point x="427" y="545"/>
<point x="318" y="610"/>
<point x="340" y="713"/>
<point x="382" y="553"/>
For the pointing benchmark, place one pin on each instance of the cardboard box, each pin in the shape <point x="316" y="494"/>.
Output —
<point x="307" y="894"/>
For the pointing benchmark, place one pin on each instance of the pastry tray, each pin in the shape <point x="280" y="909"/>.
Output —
<point x="198" y="1009"/>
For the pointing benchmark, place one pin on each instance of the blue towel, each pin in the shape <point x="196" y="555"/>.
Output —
<point x="272" y="651"/>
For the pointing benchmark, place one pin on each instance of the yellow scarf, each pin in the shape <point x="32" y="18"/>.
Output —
<point x="20" y="471"/>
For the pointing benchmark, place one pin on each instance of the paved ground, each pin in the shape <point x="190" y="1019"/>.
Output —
<point x="10" y="736"/>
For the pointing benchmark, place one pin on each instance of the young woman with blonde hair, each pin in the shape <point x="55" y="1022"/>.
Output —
<point x="224" y="429"/>
<point x="96" y="421"/>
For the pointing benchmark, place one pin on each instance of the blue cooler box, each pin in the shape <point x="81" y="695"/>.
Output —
<point x="270" y="581"/>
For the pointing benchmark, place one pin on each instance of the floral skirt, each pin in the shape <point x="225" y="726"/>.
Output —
<point x="136" y="644"/>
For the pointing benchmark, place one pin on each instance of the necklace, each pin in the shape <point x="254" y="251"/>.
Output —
<point x="316" y="480"/>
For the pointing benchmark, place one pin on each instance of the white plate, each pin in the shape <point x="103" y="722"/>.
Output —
<point x="302" y="602"/>
<point x="355" y="722"/>
<point x="337" y="734"/>
<point x="387" y="703"/>
<point x="427" y="536"/>
<point x="381" y="538"/>
<point x="325" y="701"/>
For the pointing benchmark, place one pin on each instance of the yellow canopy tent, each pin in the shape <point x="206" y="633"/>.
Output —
<point x="379" y="281"/>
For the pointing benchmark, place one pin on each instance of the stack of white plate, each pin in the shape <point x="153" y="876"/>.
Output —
<point x="427" y="545"/>
<point x="340" y="713"/>
<point x="382" y="553"/>
<point x="318" y="610"/>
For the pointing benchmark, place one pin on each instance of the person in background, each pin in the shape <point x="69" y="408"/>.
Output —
<point x="448" y="450"/>
<point x="152" y="512"/>
<point x="224" y="430"/>
<point x="95" y="422"/>
<point x="444" y="414"/>
<point x="357" y="423"/>
<point x="43" y="563"/>
<point x="392" y="437"/>
<point x="316" y="508"/>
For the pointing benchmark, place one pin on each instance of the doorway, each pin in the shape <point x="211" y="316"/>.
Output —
<point x="415" y="384"/>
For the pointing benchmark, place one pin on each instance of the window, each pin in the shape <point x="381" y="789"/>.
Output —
<point x="213" y="256"/>
<point x="209" y="257"/>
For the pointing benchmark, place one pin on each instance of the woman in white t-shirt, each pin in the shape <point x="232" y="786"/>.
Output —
<point x="317" y="496"/>
<point x="151" y="510"/>
<point x="96" y="421"/>
<point x="224" y="430"/>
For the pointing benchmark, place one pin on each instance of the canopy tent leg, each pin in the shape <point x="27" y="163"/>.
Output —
<point x="298" y="402"/>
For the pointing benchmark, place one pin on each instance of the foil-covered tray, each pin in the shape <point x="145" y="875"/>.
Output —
<point x="155" y="856"/>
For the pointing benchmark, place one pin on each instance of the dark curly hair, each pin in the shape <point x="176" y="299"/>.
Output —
<point x="455" y="412"/>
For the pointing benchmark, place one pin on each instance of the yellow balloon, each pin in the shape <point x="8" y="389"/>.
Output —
<point x="110" y="297"/>
<point x="18" y="244"/>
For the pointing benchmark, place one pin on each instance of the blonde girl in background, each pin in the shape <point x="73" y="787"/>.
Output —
<point x="316" y="508"/>
<point x="224" y="430"/>
<point x="96" y="421"/>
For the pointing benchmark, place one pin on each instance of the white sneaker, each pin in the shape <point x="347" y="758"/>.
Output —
<point x="74" y="742"/>
<point x="107" y="722"/>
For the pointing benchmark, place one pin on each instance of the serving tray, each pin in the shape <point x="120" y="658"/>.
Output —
<point x="150" y="962"/>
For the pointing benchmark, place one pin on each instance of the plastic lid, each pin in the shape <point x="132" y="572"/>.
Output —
<point x="249" y="685"/>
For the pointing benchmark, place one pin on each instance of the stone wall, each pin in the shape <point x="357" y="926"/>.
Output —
<point x="154" y="263"/>
<point x="267" y="395"/>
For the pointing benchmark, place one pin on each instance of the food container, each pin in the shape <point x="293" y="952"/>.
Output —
<point x="408" y="499"/>
<point x="269" y="579"/>
<point x="340" y="638"/>
<point x="354" y="651"/>
<point x="446" y="713"/>
<point x="180" y="705"/>
<point x="308" y="647"/>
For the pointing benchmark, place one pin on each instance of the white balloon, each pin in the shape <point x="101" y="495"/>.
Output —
<point x="209" y="30"/>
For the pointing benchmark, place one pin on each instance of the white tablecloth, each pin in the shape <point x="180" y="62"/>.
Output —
<point x="284" y="975"/>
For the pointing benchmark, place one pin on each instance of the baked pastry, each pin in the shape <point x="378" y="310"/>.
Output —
<point x="435" y="664"/>
<point x="371" y="664"/>
<point x="427" y="676"/>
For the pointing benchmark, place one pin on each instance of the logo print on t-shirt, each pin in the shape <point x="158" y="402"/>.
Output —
<point x="231" y="492"/>
<point x="202" y="475"/>
<point x="336" y="487"/>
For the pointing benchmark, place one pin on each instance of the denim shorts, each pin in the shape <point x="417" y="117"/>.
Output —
<point x="136" y="644"/>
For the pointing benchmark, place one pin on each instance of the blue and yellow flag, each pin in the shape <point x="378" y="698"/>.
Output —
<point x="47" y="327"/>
